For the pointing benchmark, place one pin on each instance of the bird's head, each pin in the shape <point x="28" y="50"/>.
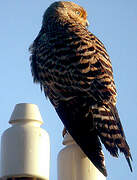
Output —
<point x="65" y="12"/>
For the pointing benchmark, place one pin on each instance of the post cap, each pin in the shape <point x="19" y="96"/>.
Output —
<point x="24" y="112"/>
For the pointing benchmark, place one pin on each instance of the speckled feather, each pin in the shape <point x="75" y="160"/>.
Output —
<point x="75" y="72"/>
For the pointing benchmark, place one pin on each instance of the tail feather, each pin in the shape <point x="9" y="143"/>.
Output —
<point x="90" y="124"/>
<point x="111" y="132"/>
<point x="129" y="163"/>
<point x="94" y="154"/>
<point x="73" y="118"/>
<point x="91" y="146"/>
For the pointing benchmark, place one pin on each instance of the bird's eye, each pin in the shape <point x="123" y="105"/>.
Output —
<point x="78" y="13"/>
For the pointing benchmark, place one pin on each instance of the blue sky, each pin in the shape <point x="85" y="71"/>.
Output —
<point x="115" y="24"/>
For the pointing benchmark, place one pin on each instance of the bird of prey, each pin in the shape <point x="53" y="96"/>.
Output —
<point x="75" y="72"/>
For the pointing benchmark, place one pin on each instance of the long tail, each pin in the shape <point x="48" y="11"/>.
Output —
<point x="80" y="127"/>
<point x="111" y="132"/>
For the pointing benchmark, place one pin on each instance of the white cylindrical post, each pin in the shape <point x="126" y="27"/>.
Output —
<point x="73" y="164"/>
<point x="25" y="146"/>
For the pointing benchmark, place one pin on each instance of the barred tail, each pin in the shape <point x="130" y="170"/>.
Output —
<point x="80" y="127"/>
<point x="111" y="132"/>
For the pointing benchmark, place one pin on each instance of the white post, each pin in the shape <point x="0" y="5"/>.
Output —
<point x="73" y="164"/>
<point x="25" y="147"/>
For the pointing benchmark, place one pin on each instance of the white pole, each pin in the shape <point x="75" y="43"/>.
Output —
<point x="73" y="164"/>
<point x="25" y="147"/>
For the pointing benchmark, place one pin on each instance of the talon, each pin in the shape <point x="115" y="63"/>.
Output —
<point x="64" y="132"/>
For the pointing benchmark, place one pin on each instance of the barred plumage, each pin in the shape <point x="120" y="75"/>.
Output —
<point x="74" y="69"/>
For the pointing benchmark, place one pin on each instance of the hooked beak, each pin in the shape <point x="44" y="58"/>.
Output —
<point x="87" y="24"/>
